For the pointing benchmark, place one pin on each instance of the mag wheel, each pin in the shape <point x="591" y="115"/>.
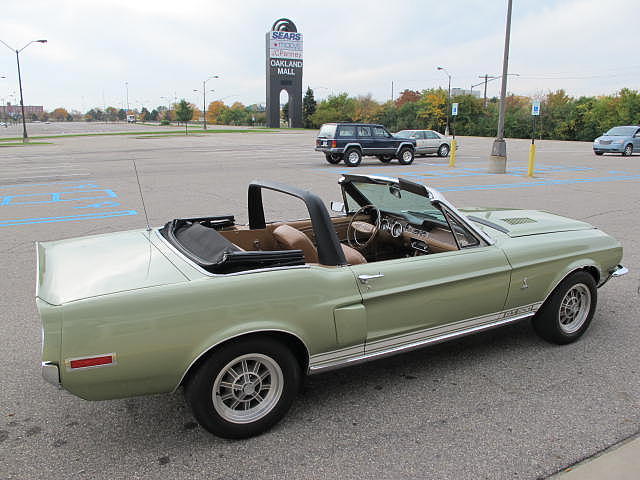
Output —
<point x="244" y="388"/>
<point x="628" y="151"/>
<point x="567" y="313"/>
<point x="443" y="151"/>
<point x="352" y="157"/>
<point x="333" y="158"/>
<point x="405" y="156"/>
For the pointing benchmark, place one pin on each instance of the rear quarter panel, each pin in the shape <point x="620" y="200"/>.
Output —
<point x="157" y="333"/>
<point x="541" y="262"/>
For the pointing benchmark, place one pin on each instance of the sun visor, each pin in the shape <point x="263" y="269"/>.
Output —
<point x="413" y="187"/>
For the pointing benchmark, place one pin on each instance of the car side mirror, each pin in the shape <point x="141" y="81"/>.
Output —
<point x="338" y="207"/>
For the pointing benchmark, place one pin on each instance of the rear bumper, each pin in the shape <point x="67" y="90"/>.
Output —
<point x="51" y="373"/>
<point x="329" y="150"/>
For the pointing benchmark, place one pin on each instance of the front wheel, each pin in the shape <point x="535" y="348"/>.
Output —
<point x="405" y="156"/>
<point x="443" y="151"/>
<point x="244" y="388"/>
<point x="598" y="153"/>
<point x="567" y="313"/>
<point x="628" y="151"/>
<point x="352" y="157"/>
<point x="333" y="158"/>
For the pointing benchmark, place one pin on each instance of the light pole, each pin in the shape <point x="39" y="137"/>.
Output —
<point x="448" y="97"/>
<point x="126" y="86"/>
<point x="25" y="138"/>
<point x="498" y="158"/>
<point x="204" y="100"/>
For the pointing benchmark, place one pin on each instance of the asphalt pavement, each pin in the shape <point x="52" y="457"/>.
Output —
<point x="499" y="405"/>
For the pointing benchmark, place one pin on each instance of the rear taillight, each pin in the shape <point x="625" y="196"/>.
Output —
<point x="334" y="144"/>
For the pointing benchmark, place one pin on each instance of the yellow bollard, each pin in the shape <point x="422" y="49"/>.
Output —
<point x="452" y="155"/>
<point x="532" y="160"/>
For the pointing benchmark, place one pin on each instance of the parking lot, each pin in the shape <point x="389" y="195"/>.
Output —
<point x="501" y="404"/>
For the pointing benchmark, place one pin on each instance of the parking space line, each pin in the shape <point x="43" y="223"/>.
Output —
<point x="66" y="218"/>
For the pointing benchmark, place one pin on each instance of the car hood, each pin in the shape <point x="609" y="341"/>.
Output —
<point x="79" y="268"/>
<point x="612" y="137"/>
<point x="519" y="223"/>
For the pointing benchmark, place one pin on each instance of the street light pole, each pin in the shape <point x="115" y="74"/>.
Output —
<point x="25" y="138"/>
<point x="498" y="158"/>
<point x="446" y="132"/>
<point x="204" y="100"/>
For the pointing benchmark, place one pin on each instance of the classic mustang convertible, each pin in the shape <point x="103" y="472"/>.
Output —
<point x="238" y="314"/>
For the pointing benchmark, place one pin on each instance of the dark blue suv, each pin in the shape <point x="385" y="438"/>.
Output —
<point x="350" y="142"/>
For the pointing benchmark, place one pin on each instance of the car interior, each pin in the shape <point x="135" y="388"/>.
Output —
<point x="368" y="235"/>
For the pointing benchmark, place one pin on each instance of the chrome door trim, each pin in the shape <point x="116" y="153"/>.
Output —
<point x="410" y="341"/>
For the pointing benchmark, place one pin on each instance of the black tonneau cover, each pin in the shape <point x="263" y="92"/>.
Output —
<point x="210" y="250"/>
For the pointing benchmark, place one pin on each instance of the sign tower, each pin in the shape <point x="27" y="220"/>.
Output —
<point x="284" y="72"/>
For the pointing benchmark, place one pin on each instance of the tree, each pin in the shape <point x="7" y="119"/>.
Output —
<point x="215" y="111"/>
<point x="309" y="106"/>
<point x="154" y="115"/>
<point x="285" y="113"/>
<point x="122" y="114"/>
<point x="144" y="114"/>
<point x="59" y="114"/>
<point x="184" y="113"/>
<point x="366" y="109"/>
<point x="407" y="96"/>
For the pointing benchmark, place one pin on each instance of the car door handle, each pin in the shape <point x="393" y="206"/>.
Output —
<point x="365" y="278"/>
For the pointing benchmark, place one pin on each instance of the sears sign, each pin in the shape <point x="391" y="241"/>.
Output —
<point x="285" y="45"/>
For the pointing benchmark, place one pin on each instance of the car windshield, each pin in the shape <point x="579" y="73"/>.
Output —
<point x="621" y="131"/>
<point x="404" y="133"/>
<point x="391" y="199"/>
<point x="327" y="131"/>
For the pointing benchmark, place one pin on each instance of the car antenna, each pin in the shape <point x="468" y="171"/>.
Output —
<point x="141" y="196"/>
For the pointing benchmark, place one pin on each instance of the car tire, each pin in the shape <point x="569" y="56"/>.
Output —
<point x="352" y="157"/>
<point x="406" y="156"/>
<point x="628" y="151"/>
<point x="385" y="158"/>
<point x="254" y="362"/>
<point x="567" y="313"/>
<point x="333" y="158"/>
<point x="443" y="150"/>
<point x="598" y="153"/>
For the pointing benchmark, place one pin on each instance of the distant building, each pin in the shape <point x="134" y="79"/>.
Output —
<point x="13" y="110"/>
<point x="461" y="91"/>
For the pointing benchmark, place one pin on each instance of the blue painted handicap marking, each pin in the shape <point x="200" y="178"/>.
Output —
<point x="47" y="202"/>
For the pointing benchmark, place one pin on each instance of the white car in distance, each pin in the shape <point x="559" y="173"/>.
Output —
<point x="427" y="141"/>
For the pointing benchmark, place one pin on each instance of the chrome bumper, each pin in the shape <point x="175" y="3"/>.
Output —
<point x="51" y="373"/>
<point x="617" y="271"/>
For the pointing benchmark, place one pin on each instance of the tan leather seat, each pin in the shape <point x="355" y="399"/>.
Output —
<point x="290" y="238"/>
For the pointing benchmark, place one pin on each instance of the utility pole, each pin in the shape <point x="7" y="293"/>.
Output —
<point x="392" y="90"/>
<point x="498" y="158"/>
<point x="486" y="77"/>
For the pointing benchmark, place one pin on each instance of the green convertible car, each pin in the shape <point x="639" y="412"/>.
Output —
<point x="237" y="314"/>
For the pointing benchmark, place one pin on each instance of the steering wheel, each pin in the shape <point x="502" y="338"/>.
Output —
<point x="365" y="228"/>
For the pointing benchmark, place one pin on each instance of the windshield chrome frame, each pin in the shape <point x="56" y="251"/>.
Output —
<point x="434" y="196"/>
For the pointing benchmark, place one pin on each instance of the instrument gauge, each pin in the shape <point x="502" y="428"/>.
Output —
<point x="396" y="230"/>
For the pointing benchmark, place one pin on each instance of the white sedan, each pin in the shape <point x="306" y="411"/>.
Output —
<point x="427" y="141"/>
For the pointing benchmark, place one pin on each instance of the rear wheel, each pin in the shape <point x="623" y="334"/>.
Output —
<point x="352" y="157"/>
<point x="598" y="153"/>
<point x="628" y="151"/>
<point x="333" y="158"/>
<point x="443" y="151"/>
<point x="405" y="156"/>
<point x="244" y="388"/>
<point x="567" y="313"/>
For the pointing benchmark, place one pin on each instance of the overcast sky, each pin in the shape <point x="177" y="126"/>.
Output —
<point x="167" y="48"/>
